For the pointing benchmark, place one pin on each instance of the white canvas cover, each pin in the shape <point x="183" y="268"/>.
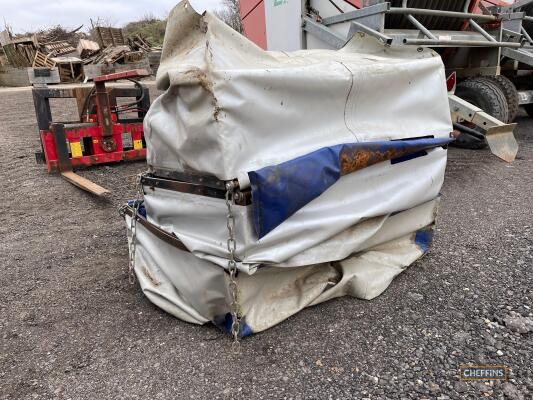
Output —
<point x="194" y="289"/>
<point x="230" y="108"/>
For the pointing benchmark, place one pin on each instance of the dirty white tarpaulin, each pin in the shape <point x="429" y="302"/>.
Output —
<point x="342" y="152"/>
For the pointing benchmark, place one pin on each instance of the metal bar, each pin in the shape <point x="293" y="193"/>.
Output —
<point x="511" y="36"/>
<point x="358" y="156"/>
<point x="123" y="92"/>
<point x="134" y="73"/>
<point x="520" y="3"/>
<point x="323" y="33"/>
<point x="42" y="108"/>
<point x="421" y="27"/>
<point x="526" y="35"/>
<point x="440" y="13"/>
<point x="358" y="27"/>
<point x="455" y="43"/>
<point x="190" y="177"/>
<point x="102" y="98"/>
<point x="145" y="102"/>
<point x="243" y="198"/>
<point x="470" y="131"/>
<point x="41" y="100"/>
<point x="104" y="115"/>
<point x="169" y="238"/>
<point x="525" y="57"/>
<point x="478" y="28"/>
<point x="528" y="18"/>
<point x="60" y="141"/>
<point x="183" y="187"/>
<point x="356" y="14"/>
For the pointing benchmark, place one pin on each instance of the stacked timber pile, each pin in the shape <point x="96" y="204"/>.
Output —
<point x="74" y="55"/>
<point x="116" y="48"/>
<point x="54" y="48"/>
<point x="118" y="52"/>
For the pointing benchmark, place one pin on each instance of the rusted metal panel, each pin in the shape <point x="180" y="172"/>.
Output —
<point x="355" y="158"/>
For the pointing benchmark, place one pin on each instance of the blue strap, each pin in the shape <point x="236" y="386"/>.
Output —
<point x="279" y="191"/>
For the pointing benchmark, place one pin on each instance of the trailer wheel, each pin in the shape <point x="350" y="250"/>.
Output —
<point x="487" y="95"/>
<point x="510" y="92"/>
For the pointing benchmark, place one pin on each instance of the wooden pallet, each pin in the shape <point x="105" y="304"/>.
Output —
<point x="59" y="48"/>
<point x="42" y="60"/>
<point x="110" y="37"/>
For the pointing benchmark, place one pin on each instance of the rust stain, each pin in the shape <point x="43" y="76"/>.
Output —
<point x="354" y="160"/>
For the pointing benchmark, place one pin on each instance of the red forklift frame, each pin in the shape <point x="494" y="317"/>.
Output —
<point x="100" y="136"/>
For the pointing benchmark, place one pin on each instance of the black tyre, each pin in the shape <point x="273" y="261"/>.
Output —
<point x="487" y="95"/>
<point x="510" y="92"/>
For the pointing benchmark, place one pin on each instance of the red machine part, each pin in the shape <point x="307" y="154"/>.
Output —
<point x="133" y="73"/>
<point x="253" y="21"/>
<point x="451" y="82"/>
<point x="85" y="146"/>
<point x="101" y="137"/>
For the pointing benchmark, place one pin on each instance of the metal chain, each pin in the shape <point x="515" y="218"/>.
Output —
<point x="232" y="264"/>
<point x="133" y="228"/>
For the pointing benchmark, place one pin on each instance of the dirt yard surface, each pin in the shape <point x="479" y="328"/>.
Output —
<point x="72" y="327"/>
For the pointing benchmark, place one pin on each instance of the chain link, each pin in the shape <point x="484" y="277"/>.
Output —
<point x="232" y="264"/>
<point x="231" y="246"/>
<point x="133" y="228"/>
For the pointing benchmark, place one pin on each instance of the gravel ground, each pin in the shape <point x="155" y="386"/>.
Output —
<point x="71" y="326"/>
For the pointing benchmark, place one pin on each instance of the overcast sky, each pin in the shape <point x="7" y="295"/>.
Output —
<point x="31" y="15"/>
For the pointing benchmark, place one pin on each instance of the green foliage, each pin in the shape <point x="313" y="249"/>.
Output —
<point x="149" y="27"/>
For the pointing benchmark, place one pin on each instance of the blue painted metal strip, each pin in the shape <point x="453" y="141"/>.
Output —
<point x="279" y="191"/>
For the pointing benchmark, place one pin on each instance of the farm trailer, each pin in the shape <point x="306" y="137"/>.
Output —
<point x="517" y="64"/>
<point x="470" y="36"/>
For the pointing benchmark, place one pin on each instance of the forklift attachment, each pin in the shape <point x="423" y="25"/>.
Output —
<point x="498" y="135"/>
<point x="502" y="142"/>
<point x="64" y="165"/>
<point x="100" y="135"/>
